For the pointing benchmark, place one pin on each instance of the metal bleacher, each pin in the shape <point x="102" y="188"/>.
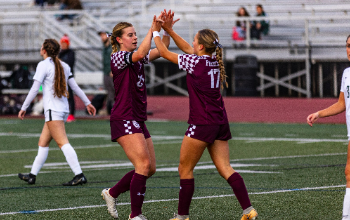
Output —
<point x="296" y="28"/>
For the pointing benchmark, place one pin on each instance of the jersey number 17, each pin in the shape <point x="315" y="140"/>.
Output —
<point x="213" y="73"/>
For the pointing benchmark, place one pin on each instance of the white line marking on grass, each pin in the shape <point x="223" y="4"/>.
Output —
<point x="169" y="200"/>
<point x="206" y="167"/>
<point x="339" y="136"/>
<point x="84" y="147"/>
<point x="306" y="140"/>
<point x="283" y="157"/>
<point x="107" y="164"/>
<point x="154" y="137"/>
<point x="161" y="137"/>
<point x="16" y="174"/>
<point x="57" y="148"/>
<point x="175" y="169"/>
<point x="12" y="122"/>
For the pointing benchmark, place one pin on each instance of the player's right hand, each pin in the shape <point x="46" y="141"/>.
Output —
<point x="312" y="118"/>
<point x="157" y="24"/>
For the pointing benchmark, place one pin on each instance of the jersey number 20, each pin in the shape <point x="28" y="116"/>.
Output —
<point x="213" y="73"/>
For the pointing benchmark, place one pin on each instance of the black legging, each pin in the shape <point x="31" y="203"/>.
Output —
<point x="71" y="101"/>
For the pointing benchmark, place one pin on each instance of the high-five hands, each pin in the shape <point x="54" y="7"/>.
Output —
<point x="168" y="18"/>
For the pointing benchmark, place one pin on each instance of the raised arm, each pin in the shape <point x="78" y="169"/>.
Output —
<point x="334" y="109"/>
<point x="77" y="90"/>
<point x="163" y="50"/>
<point x="154" y="54"/>
<point x="179" y="41"/>
<point x="144" y="48"/>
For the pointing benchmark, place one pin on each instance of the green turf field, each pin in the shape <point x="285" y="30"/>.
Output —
<point x="291" y="171"/>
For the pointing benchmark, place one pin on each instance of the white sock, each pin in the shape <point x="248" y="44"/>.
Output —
<point x="39" y="160"/>
<point x="346" y="204"/>
<point x="72" y="158"/>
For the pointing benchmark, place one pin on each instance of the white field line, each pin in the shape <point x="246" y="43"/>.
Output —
<point x="162" y="137"/>
<point x="164" y="169"/>
<point x="284" y="157"/>
<point x="199" y="163"/>
<point x="57" y="148"/>
<point x="168" y="200"/>
<point x="302" y="140"/>
<point x="108" y="136"/>
<point x="83" y="147"/>
<point x="159" y="138"/>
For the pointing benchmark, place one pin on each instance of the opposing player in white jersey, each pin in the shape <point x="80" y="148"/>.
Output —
<point x="208" y="123"/>
<point x="54" y="76"/>
<point x="343" y="104"/>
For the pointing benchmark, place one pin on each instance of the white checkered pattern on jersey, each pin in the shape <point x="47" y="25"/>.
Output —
<point x="145" y="60"/>
<point x="118" y="59"/>
<point x="191" y="130"/>
<point x="187" y="62"/>
<point x="127" y="126"/>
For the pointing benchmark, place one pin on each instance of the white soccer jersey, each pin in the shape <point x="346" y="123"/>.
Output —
<point x="345" y="88"/>
<point x="45" y="74"/>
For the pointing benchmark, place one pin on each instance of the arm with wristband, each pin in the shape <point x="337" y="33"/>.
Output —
<point x="163" y="50"/>
<point x="166" y="21"/>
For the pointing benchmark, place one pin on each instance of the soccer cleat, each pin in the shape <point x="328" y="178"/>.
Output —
<point x="78" y="179"/>
<point x="30" y="178"/>
<point x="180" y="217"/>
<point x="139" y="217"/>
<point x="111" y="203"/>
<point x="252" y="215"/>
<point x="70" y="118"/>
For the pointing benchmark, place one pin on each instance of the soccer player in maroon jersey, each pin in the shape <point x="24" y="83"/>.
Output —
<point x="208" y="124"/>
<point x="129" y="114"/>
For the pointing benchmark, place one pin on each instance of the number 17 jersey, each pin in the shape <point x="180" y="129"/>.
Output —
<point x="203" y="84"/>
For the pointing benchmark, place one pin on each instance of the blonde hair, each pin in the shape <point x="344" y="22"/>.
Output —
<point x="118" y="32"/>
<point x="207" y="37"/>
<point x="52" y="48"/>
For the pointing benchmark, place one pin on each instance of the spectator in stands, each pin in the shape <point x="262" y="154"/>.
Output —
<point x="239" y="31"/>
<point x="42" y="2"/>
<point x="69" y="5"/>
<point x="67" y="55"/>
<point x="107" y="72"/>
<point x="258" y="27"/>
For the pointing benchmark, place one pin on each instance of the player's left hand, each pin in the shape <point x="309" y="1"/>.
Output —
<point x="21" y="114"/>
<point x="91" y="109"/>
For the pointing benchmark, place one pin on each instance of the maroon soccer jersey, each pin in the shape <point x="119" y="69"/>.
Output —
<point x="203" y="83"/>
<point x="130" y="89"/>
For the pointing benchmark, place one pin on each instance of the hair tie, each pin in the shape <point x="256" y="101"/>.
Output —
<point x="216" y="42"/>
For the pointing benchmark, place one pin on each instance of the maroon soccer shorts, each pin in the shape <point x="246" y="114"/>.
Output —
<point x="209" y="133"/>
<point x="121" y="128"/>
